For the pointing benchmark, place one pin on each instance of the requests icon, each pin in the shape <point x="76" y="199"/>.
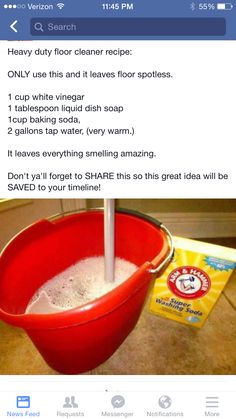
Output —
<point x="70" y="402"/>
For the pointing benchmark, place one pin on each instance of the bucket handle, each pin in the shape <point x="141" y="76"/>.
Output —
<point x="166" y="260"/>
<point x="158" y="223"/>
<point x="170" y="255"/>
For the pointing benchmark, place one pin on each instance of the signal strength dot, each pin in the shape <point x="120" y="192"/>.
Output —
<point x="10" y="6"/>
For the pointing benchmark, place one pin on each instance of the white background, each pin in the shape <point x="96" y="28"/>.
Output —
<point x="93" y="394"/>
<point x="187" y="120"/>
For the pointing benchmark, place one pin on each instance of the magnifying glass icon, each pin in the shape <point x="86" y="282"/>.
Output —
<point x="38" y="26"/>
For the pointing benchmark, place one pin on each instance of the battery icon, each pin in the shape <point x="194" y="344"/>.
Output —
<point x="225" y="6"/>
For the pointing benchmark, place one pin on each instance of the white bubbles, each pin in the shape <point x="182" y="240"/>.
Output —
<point x="78" y="285"/>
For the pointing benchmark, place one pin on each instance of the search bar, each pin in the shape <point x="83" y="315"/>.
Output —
<point x="127" y="27"/>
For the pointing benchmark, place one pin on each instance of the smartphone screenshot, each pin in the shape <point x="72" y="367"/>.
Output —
<point x="117" y="209"/>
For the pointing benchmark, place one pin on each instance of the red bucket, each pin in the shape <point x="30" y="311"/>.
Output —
<point x="80" y="339"/>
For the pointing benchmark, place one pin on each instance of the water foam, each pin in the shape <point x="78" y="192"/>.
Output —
<point x="77" y="285"/>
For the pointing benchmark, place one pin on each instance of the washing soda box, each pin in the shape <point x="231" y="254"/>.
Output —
<point x="192" y="283"/>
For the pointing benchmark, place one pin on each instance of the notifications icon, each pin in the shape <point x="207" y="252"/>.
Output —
<point x="164" y="402"/>
<point x="118" y="401"/>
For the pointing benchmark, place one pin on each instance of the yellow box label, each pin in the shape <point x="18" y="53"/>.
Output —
<point x="193" y="281"/>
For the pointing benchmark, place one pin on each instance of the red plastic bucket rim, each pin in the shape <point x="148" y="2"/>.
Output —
<point x="159" y="266"/>
<point x="149" y="268"/>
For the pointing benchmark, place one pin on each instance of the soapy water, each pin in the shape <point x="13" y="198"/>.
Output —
<point x="78" y="285"/>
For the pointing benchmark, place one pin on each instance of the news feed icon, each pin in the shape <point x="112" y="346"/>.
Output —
<point x="23" y="402"/>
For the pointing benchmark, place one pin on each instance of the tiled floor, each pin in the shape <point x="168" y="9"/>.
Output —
<point x="156" y="345"/>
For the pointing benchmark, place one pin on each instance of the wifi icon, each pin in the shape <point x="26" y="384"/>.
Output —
<point x="60" y="5"/>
